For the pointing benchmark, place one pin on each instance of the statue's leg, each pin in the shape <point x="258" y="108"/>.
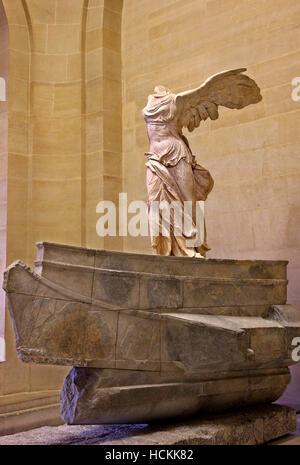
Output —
<point x="161" y="245"/>
<point x="183" y="174"/>
<point x="176" y="183"/>
<point x="204" y="184"/>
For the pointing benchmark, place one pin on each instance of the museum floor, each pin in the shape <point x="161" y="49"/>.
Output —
<point x="111" y="435"/>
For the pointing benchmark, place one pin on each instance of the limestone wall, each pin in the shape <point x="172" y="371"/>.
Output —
<point x="253" y="154"/>
<point x="4" y="60"/>
<point x="64" y="156"/>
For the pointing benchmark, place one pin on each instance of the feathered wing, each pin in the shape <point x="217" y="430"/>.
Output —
<point x="230" y="89"/>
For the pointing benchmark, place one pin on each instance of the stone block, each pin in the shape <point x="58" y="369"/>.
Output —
<point x="203" y="292"/>
<point x="39" y="38"/>
<point x="49" y="68"/>
<point x="120" y="289"/>
<point x="42" y="99"/>
<point x="42" y="12"/>
<point x="64" y="38"/>
<point x="67" y="100"/>
<point x="69" y="12"/>
<point x="101" y="336"/>
<point x="94" y="18"/>
<point x="161" y="293"/>
<point x="74" y="67"/>
<point x="187" y="340"/>
<point x="138" y="343"/>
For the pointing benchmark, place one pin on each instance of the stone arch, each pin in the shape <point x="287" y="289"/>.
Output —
<point x="103" y="113"/>
<point x="14" y="194"/>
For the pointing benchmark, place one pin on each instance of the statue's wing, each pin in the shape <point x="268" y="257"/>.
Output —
<point x="231" y="89"/>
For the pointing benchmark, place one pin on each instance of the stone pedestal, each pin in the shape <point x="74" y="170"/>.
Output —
<point x="250" y="426"/>
<point x="154" y="337"/>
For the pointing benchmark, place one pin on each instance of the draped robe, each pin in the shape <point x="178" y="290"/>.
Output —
<point x="173" y="175"/>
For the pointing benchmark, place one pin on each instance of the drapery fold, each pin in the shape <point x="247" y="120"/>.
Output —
<point x="182" y="182"/>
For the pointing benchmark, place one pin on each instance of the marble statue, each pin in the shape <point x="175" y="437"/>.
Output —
<point x="154" y="337"/>
<point x="173" y="173"/>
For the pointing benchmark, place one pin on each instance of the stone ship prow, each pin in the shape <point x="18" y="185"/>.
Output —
<point x="153" y="336"/>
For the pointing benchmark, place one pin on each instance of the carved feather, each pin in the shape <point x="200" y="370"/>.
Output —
<point x="230" y="89"/>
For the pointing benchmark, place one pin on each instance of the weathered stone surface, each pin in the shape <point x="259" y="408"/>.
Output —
<point x="110" y="260"/>
<point x="250" y="426"/>
<point x="190" y="342"/>
<point x="161" y="293"/>
<point x="118" y="288"/>
<point x="138" y="344"/>
<point x="233" y="292"/>
<point x="176" y="334"/>
<point x="93" y="289"/>
<point x="93" y="396"/>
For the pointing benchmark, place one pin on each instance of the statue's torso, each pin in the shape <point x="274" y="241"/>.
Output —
<point x="166" y="140"/>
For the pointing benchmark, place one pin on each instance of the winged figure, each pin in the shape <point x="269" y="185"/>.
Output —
<point x="173" y="174"/>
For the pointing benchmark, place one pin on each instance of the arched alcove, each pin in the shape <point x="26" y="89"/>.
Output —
<point x="102" y="112"/>
<point x="4" y="64"/>
<point x="63" y="142"/>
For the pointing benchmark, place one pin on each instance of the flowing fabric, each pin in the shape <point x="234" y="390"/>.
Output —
<point x="172" y="175"/>
<point x="168" y="184"/>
